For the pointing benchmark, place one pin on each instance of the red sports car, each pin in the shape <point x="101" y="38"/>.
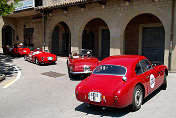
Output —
<point x="81" y="62"/>
<point x="40" y="57"/>
<point x="17" y="50"/>
<point x="120" y="81"/>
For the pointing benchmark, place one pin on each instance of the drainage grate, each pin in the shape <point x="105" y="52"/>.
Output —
<point x="53" y="74"/>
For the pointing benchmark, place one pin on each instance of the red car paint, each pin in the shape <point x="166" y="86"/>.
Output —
<point x="41" y="56"/>
<point x="77" y="63"/>
<point x="16" y="51"/>
<point x="114" y="90"/>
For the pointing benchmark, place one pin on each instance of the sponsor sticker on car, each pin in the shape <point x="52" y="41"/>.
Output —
<point x="152" y="81"/>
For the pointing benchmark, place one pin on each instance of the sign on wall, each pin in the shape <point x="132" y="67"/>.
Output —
<point x="24" y="5"/>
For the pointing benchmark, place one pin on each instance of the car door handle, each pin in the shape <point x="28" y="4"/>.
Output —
<point x="147" y="77"/>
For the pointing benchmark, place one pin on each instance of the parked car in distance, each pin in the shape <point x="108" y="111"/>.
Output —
<point x="40" y="57"/>
<point x="16" y="50"/>
<point x="120" y="81"/>
<point x="81" y="62"/>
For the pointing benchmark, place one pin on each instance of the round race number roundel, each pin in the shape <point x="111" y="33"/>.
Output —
<point x="152" y="81"/>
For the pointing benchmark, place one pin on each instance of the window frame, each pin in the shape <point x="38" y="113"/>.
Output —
<point x="142" y="61"/>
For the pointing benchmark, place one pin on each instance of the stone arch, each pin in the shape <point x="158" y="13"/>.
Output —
<point x="92" y="36"/>
<point x="128" y="16"/>
<point x="142" y="35"/>
<point x="8" y="34"/>
<point x="60" y="39"/>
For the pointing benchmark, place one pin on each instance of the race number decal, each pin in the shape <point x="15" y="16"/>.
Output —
<point x="152" y="81"/>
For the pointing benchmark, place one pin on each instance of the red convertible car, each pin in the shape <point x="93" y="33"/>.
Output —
<point x="40" y="57"/>
<point x="81" y="62"/>
<point x="17" y="50"/>
<point x="120" y="81"/>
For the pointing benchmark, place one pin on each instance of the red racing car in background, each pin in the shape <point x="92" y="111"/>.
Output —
<point x="81" y="62"/>
<point x="120" y="81"/>
<point x="40" y="57"/>
<point x="17" y="50"/>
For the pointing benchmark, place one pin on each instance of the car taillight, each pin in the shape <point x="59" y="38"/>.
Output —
<point x="115" y="98"/>
<point x="124" y="78"/>
<point x="76" y="92"/>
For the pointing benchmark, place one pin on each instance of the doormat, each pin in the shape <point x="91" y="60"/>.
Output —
<point x="53" y="74"/>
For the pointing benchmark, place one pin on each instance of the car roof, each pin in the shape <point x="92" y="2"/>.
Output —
<point x="123" y="60"/>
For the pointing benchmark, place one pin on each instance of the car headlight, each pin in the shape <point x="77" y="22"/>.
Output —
<point x="24" y="51"/>
<point x="71" y="67"/>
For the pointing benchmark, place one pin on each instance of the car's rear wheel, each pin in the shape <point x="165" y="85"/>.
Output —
<point x="37" y="61"/>
<point x="164" y="85"/>
<point x="137" y="98"/>
<point x="25" y="57"/>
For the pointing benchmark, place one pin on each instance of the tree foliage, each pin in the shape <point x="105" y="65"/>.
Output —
<point x="6" y="8"/>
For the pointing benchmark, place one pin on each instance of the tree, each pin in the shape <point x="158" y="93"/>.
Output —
<point x="6" y="8"/>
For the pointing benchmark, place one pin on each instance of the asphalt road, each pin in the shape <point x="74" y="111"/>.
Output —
<point x="41" y="93"/>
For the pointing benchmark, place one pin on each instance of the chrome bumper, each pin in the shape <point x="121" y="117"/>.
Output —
<point x="85" y="72"/>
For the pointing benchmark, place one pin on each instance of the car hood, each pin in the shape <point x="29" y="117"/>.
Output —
<point x="102" y="83"/>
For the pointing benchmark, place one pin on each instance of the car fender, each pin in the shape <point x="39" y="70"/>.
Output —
<point x="125" y="92"/>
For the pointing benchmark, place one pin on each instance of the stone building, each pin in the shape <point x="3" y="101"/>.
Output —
<point x="108" y="27"/>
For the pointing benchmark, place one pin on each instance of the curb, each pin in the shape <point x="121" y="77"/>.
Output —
<point x="2" y="77"/>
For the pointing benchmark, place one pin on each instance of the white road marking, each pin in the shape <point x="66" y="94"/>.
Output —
<point x="15" y="80"/>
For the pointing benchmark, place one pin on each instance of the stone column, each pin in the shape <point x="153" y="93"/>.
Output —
<point x="1" y="26"/>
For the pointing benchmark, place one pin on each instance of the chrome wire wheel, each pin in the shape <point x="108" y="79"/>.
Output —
<point x="36" y="61"/>
<point x="25" y="57"/>
<point x="138" y="97"/>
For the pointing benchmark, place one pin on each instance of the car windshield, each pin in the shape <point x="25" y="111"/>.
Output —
<point x="82" y="53"/>
<point x="110" y="70"/>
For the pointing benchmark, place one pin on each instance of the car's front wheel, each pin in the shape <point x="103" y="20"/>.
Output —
<point x="137" y="98"/>
<point x="37" y="61"/>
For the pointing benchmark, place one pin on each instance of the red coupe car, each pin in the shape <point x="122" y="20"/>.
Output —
<point x="81" y="62"/>
<point x="40" y="57"/>
<point x="120" y="81"/>
<point x="17" y="50"/>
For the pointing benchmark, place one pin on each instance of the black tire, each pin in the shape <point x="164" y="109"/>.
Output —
<point x="36" y="61"/>
<point x="25" y="57"/>
<point x="137" y="98"/>
<point x="164" y="85"/>
<point x="70" y="75"/>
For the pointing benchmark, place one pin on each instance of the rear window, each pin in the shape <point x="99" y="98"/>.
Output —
<point x="110" y="70"/>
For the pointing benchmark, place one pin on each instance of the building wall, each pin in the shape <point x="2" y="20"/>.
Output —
<point x="18" y="26"/>
<point x="117" y="15"/>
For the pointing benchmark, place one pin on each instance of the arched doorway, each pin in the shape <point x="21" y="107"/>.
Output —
<point x="145" y="35"/>
<point x="61" y="43"/>
<point x="96" y="36"/>
<point x="7" y="35"/>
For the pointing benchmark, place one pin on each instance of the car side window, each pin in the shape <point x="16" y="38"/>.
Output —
<point x="146" y="65"/>
<point x="138" y="69"/>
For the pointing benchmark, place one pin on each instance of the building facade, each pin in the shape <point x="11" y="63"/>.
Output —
<point x="108" y="27"/>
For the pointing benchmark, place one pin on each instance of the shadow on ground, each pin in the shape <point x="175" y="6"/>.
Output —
<point x="97" y="110"/>
<point x="5" y="65"/>
<point x="112" y="112"/>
